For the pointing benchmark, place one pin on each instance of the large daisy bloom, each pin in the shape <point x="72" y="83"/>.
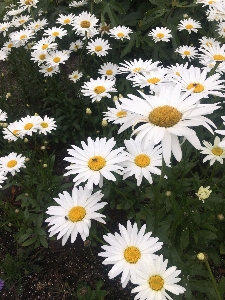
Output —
<point x="189" y="25"/>
<point x="12" y="163"/>
<point x="44" y="44"/>
<point x="109" y="70"/>
<point x="74" y="213"/>
<point x="29" y="124"/>
<point x="19" y="38"/>
<point x="141" y="161"/>
<point x="187" y="52"/>
<point x="213" y="54"/>
<point x="85" y="24"/>
<point x="120" y="32"/>
<point x="222" y="143"/>
<point x="11" y="132"/>
<point x="168" y="115"/>
<point x="127" y="250"/>
<point x="213" y="152"/>
<point x="96" y="89"/>
<point x="161" y="34"/>
<point x="208" y="42"/>
<point x="153" y="279"/>
<point x="95" y="161"/>
<point x="99" y="46"/>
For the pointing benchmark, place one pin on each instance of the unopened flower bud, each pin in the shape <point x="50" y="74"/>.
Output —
<point x="120" y="96"/>
<point x="45" y="165"/>
<point x="220" y="217"/>
<point x="26" y="140"/>
<point x="8" y="95"/>
<point x="185" y="15"/>
<point x="42" y="147"/>
<point x="26" y="194"/>
<point x="115" y="98"/>
<point x="168" y="193"/>
<point x="202" y="256"/>
<point x="36" y="114"/>
<point x="45" y="142"/>
<point x="10" y="224"/>
<point x="27" y="159"/>
<point x="88" y="111"/>
<point x="17" y="210"/>
<point x="4" y="125"/>
<point x="104" y="123"/>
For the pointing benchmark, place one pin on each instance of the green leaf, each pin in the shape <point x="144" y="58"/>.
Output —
<point x="184" y="239"/>
<point x="222" y="248"/>
<point x="130" y="44"/>
<point x="29" y="242"/>
<point x="24" y="237"/>
<point x="43" y="241"/>
<point x="221" y="287"/>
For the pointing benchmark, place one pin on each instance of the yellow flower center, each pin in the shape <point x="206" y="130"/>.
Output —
<point x="217" y="151"/>
<point x="109" y="72"/>
<point x="211" y="2"/>
<point x="49" y="69"/>
<point x="198" y="87"/>
<point x="142" y="160"/>
<point x="121" y="114"/>
<point x="37" y="25"/>
<point x="12" y="163"/>
<point x="66" y="21"/>
<point x="177" y="73"/>
<point x="44" y="124"/>
<point x="44" y="46"/>
<point x="137" y="70"/>
<point x="98" y="48"/>
<point x="120" y="34"/>
<point x="132" y="254"/>
<point x="22" y="37"/>
<point x="56" y="59"/>
<point x="15" y="132"/>
<point x="85" y="24"/>
<point x="28" y="2"/>
<point x="209" y="44"/>
<point x="77" y="214"/>
<point x="10" y="45"/>
<point x="21" y="21"/>
<point x="75" y="76"/>
<point x="187" y="52"/>
<point x="165" y="116"/>
<point x="99" y="89"/>
<point x="42" y="56"/>
<point x="96" y="163"/>
<point x="153" y="80"/>
<point x="189" y="26"/>
<point x="55" y="33"/>
<point x="160" y="35"/>
<point x="28" y="126"/>
<point x="156" y="282"/>
<point x="218" y="57"/>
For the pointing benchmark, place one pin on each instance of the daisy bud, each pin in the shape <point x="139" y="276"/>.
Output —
<point x="168" y="193"/>
<point x="28" y="105"/>
<point x="4" y="124"/>
<point x="185" y="15"/>
<point x="8" y="95"/>
<point x="42" y="147"/>
<point x="26" y="194"/>
<point x="27" y="159"/>
<point x="17" y="210"/>
<point x="10" y="224"/>
<point x="3" y="75"/>
<point x="120" y="96"/>
<point x="220" y="217"/>
<point x="45" y="166"/>
<point x="202" y="256"/>
<point x="104" y="123"/>
<point x="26" y="140"/>
<point x="36" y="114"/>
<point x="45" y="142"/>
<point x="88" y="111"/>
<point x="115" y="98"/>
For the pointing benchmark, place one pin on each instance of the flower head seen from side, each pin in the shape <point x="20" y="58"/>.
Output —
<point x="99" y="88"/>
<point x="120" y="32"/>
<point x="164" y="117"/>
<point x="203" y="193"/>
<point x="109" y="70"/>
<point x="160" y="34"/>
<point x="98" y="46"/>
<point x="140" y="161"/>
<point x="213" y="54"/>
<point x="12" y="163"/>
<point x="189" y="25"/>
<point x="154" y="279"/>
<point x="74" y="213"/>
<point x="213" y="152"/>
<point x="95" y="161"/>
<point x="78" y="3"/>
<point x="188" y="52"/>
<point x="208" y="42"/>
<point x="127" y="250"/>
<point x="75" y="76"/>
<point x="3" y="115"/>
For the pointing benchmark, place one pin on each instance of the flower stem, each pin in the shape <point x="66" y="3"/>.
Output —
<point x="213" y="280"/>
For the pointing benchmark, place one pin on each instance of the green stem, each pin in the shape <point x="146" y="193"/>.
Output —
<point x="213" y="280"/>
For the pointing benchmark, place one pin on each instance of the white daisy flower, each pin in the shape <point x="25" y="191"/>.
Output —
<point x="95" y="161"/>
<point x="37" y="25"/>
<point x="138" y="66"/>
<point x="78" y="3"/>
<point x="19" y="38"/>
<point x="27" y="4"/>
<point x="154" y="279"/>
<point x="15" y="12"/>
<point x="3" y="54"/>
<point x="3" y="115"/>
<point x="65" y="19"/>
<point x="74" y="213"/>
<point x="99" y="88"/>
<point x="99" y="46"/>
<point x="47" y="125"/>
<point x="127" y="250"/>
<point x="12" y="163"/>
<point x="203" y="193"/>
<point x="209" y="2"/>
<point x="4" y="27"/>
<point x="161" y="34"/>
<point x="168" y="115"/>
<point x="21" y="20"/>
<point x="189" y="25"/>
<point x="2" y="177"/>
<point x="54" y="58"/>
<point x="213" y="54"/>
<point x="213" y="152"/>
<point x="120" y="32"/>
<point x="12" y="132"/>
<point x="75" y="76"/>
<point x="187" y="51"/>
<point x="208" y="42"/>
<point x="221" y="29"/>
<point x="74" y="46"/>
<point x="141" y="161"/>
<point x="55" y="32"/>
<point x="39" y="56"/>
<point x="49" y="70"/>
<point x="109" y="70"/>
<point x="7" y="46"/>
<point x="29" y="124"/>
<point x="85" y="24"/>
<point x="174" y="71"/>
<point x="216" y="12"/>
<point x="196" y="80"/>
<point x="222" y="143"/>
<point x="45" y="44"/>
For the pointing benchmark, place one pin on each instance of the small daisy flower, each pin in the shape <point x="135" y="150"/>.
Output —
<point x="2" y="179"/>
<point x="7" y="46"/>
<point x="78" y="3"/>
<point x="127" y="250"/>
<point x="174" y="71"/>
<point x="49" y="70"/>
<point x="15" y="12"/>
<point x="12" y="132"/>
<point x="18" y="21"/>
<point x="74" y="213"/>
<point x="209" y="2"/>
<point x="44" y="45"/>
<point x="203" y="193"/>
<point x="47" y="125"/>
<point x="161" y="34"/>
<point x="85" y="24"/>
<point x="3" y="115"/>
<point x="3" y="54"/>
<point x="12" y="163"/>
<point x="154" y="279"/>
<point x="189" y="25"/>
<point x="141" y="161"/>
<point x="29" y="124"/>
<point x="99" y="88"/>
<point x="213" y="152"/>
<point x="39" y="56"/>
<point x="222" y="143"/>
<point x="208" y="42"/>
<point x="27" y="4"/>
<point x="95" y="161"/>
<point x="99" y="46"/>
<point x="187" y="52"/>
<point x="213" y="54"/>
<point x="65" y="19"/>
<point x="4" y="27"/>
<point x="75" y="76"/>
<point x="120" y="32"/>
<point x="76" y="45"/>
<point x="55" y="32"/>
<point x="19" y="38"/>
<point x="37" y="25"/>
<point x="54" y="58"/>
<point x="109" y="70"/>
